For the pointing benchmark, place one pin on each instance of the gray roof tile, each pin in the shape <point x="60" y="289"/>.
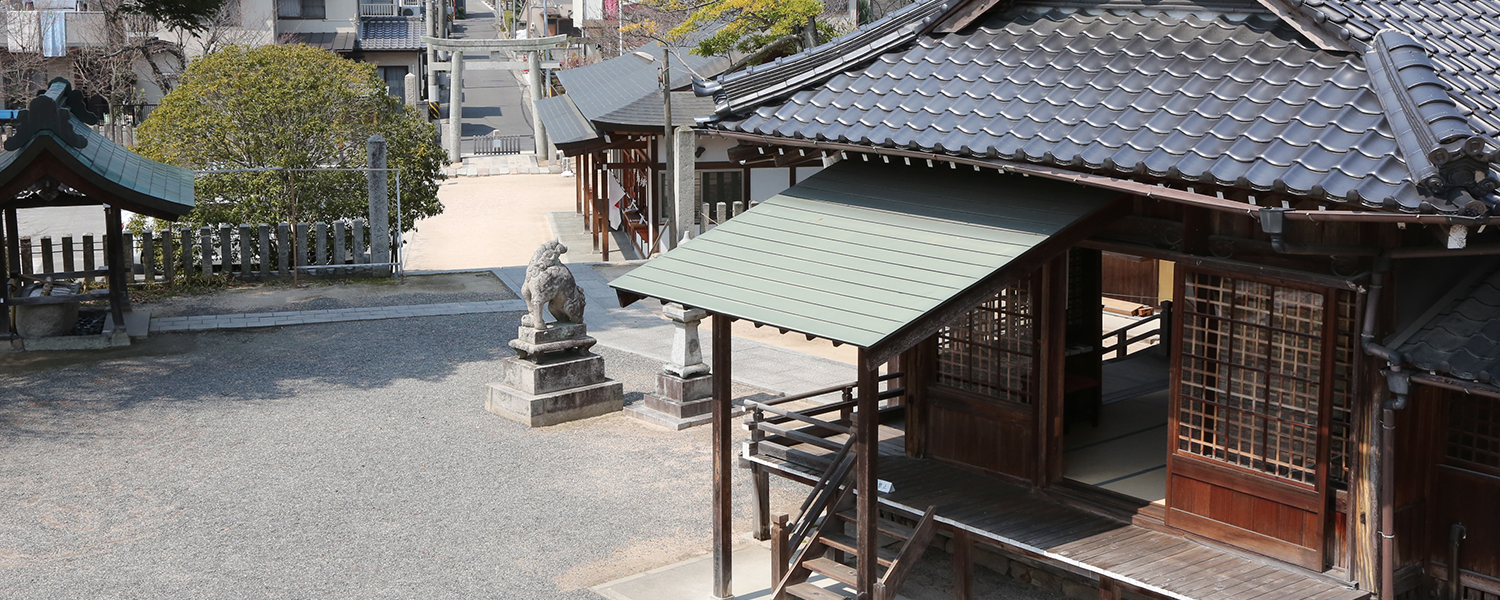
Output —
<point x="1462" y="340"/>
<point x="1236" y="103"/>
<point x="390" y="33"/>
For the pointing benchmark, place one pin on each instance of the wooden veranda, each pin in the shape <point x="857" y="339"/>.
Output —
<point x="794" y="442"/>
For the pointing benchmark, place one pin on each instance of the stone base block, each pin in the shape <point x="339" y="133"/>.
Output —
<point x="553" y="332"/>
<point x="559" y="407"/>
<point x="680" y="389"/>
<point x="555" y="374"/>
<point x="645" y="412"/>
<point x="108" y="339"/>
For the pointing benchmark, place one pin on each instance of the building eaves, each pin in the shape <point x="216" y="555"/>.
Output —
<point x="342" y="42"/>
<point x="1238" y="104"/>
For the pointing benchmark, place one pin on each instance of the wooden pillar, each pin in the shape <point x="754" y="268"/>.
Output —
<point x="578" y="185"/>
<point x="13" y="239"/>
<point x="866" y="449"/>
<point x="963" y="565"/>
<point x="117" y="258"/>
<point x="5" y="262"/>
<point x="723" y="477"/>
<point x="791" y="176"/>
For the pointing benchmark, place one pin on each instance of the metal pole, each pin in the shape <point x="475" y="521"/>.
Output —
<point x="666" y="192"/>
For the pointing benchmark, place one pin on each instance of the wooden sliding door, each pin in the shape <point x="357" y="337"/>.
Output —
<point x="982" y="399"/>
<point x="1255" y="378"/>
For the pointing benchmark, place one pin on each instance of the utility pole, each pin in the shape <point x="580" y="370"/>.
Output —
<point x="666" y="190"/>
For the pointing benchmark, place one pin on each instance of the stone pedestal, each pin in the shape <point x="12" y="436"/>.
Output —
<point x="684" y="387"/>
<point x="554" y="379"/>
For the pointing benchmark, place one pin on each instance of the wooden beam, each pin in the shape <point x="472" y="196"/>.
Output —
<point x="866" y="452"/>
<point x="723" y="477"/>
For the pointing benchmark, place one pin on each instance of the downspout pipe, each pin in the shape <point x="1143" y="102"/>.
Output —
<point x="1398" y="381"/>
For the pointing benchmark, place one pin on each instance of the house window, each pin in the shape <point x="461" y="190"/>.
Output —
<point x="991" y="350"/>
<point x="301" y="9"/>
<point x="395" y="80"/>
<point x="1252" y="375"/>
<point x="1474" y="432"/>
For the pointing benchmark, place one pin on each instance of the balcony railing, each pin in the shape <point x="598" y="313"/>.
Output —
<point x="389" y="9"/>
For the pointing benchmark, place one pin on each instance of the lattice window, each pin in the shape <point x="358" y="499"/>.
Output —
<point x="1251" y="375"/>
<point x="1474" y="431"/>
<point x="1341" y="397"/>
<point x="991" y="350"/>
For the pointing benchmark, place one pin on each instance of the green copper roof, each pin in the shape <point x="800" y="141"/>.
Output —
<point x="137" y="183"/>
<point x="861" y="249"/>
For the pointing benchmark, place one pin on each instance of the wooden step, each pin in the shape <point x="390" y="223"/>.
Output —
<point x="884" y="556"/>
<point x="833" y="569"/>
<point x="886" y="526"/>
<point x="808" y="591"/>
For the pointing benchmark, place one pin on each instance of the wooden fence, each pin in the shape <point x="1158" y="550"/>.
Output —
<point x="340" y="249"/>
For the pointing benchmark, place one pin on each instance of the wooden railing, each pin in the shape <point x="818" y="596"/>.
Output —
<point x="1120" y="340"/>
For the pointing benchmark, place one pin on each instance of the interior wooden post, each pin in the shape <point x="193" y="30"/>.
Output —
<point x="866" y="440"/>
<point x="723" y="477"/>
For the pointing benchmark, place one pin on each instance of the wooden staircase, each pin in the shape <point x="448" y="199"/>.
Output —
<point x="817" y="543"/>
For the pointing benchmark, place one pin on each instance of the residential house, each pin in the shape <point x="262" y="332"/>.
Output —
<point x="1315" y="179"/>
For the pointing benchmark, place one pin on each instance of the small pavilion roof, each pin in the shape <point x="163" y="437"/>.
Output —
<point x="52" y="144"/>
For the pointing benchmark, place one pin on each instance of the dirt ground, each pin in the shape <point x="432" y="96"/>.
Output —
<point x="488" y="222"/>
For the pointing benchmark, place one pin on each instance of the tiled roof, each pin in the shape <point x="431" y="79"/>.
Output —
<point x="342" y="41"/>
<point x="607" y="86"/>
<point x="779" y="78"/>
<point x="391" y="33"/>
<point x="1460" y="35"/>
<point x="1463" y="339"/>
<point x="565" y="125"/>
<point x="1236" y="103"/>
<point x="647" y="111"/>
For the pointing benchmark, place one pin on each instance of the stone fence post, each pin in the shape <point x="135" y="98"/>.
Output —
<point x="380" y="207"/>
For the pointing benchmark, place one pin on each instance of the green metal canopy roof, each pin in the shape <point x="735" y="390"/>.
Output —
<point x="137" y="183"/>
<point x="862" y="250"/>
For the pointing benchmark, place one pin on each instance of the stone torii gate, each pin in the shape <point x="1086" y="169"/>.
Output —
<point x="452" y="137"/>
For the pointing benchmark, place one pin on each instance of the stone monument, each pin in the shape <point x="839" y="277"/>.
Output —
<point x="553" y="378"/>
<point x="684" y="386"/>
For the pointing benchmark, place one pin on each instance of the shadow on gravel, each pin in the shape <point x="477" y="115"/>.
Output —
<point x="244" y="366"/>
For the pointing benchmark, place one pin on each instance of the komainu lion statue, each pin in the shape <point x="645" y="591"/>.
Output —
<point x="550" y="283"/>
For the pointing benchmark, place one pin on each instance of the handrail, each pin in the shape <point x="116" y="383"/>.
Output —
<point x="1123" y="340"/>
<point x="916" y="545"/>
<point x="828" y="390"/>
<point x="798" y="416"/>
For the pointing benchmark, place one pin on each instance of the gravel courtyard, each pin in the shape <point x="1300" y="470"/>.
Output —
<point x="348" y="460"/>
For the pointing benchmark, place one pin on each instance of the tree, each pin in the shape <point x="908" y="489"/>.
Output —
<point x="190" y="15"/>
<point x="753" y="27"/>
<point x="290" y="107"/>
